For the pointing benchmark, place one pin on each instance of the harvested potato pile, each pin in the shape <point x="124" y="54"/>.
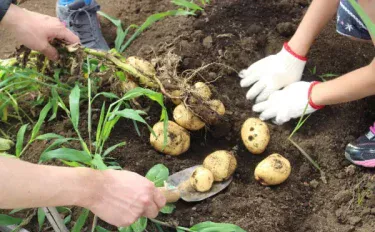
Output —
<point x="202" y="179"/>
<point x="178" y="139"/>
<point x="273" y="170"/>
<point x="255" y="135"/>
<point x="222" y="164"/>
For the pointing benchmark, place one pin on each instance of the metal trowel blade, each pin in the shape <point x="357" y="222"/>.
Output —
<point x="181" y="181"/>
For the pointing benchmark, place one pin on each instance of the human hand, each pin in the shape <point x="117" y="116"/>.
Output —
<point x="272" y="73"/>
<point x="36" y="31"/>
<point x="288" y="103"/>
<point x="122" y="197"/>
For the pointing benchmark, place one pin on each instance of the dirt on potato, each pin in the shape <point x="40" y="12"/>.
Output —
<point x="237" y="33"/>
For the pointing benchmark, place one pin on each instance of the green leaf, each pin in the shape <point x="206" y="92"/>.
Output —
<point x="16" y="210"/>
<point x="54" y="103"/>
<point x="41" y="218"/>
<point x="187" y="4"/>
<point x="140" y="225"/>
<point x="20" y="138"/>
<point x="42" y="116"/>
<point x="67" y="219"/>
<point x="120" y="32"/>
<point x="74" y="106"/>
<point x="125" y="229"/>
<point x="57" y="143"/>
<point x="216" y="227"/>
<point x="49" y="136"/>
<point x="98" y="162"/>
<point x="134" y="115"/>
<point x="121" y="75"/>
<point x="100" y="124"/>
<point x="63" y="210"/>
<point x="105" y="94"/>
<point x="81" y="221"/>
<point x="112" y="148"/>
<point x="6" y="220"/>
<point x="150" y="21"/>
<point x="66" y="154"/>
<point x="101" y="229"/>
<point x="168" y="209"/>
<point x="158" y="174"/>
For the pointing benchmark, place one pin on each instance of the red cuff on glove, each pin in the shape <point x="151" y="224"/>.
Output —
<point x="311" y="103"/>
<point x="289" y="49"/>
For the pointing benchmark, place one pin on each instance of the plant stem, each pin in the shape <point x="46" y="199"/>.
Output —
<point x="170" y="225"/>
<point x="126" y="67"/>
<point x="94" y="223"/>
<point x="89" y="103"/>
<point x="322" y="174"/>
<point x="25" y="148"/>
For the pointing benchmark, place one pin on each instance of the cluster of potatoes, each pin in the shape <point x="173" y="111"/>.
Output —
<point x="217" y="167"/>
<point x="220" y="165"/>
<point x="274" y="169"/>
<point x="178" y="138"/>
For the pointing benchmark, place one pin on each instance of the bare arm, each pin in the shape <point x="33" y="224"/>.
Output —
<point x="118" y="197"/>
<point x="350" y="87"/>
<point x="26" y="185"/>
<point x="318" y="15"/>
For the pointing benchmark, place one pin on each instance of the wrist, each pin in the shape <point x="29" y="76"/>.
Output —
<point x="4" y="7"/>
<point x="299" y="48"/>
<point x="12" y="16"/>
<point x="87" y="186"/>
<point x="313" y="96"/>
<point x="292" y="52"/>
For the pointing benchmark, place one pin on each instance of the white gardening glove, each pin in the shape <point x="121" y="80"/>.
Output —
<point x="288" y="103"/>
<point x="272" y="73"/>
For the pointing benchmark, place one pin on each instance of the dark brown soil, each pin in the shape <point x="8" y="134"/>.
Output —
<point x="237" y="33"/>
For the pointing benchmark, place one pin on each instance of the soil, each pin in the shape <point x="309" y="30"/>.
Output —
<point x="238" y="33"/>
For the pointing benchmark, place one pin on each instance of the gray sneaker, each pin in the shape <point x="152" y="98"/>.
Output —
<point x="83" y="21"/>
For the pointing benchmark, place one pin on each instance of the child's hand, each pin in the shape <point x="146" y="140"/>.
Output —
<point x="272" y="73"/>
<point x="286" y="104"/>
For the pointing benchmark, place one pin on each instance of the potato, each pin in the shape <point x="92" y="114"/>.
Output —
<point x="222" y="164"/>
<point x="141" y="65"/>
<point x="127" y="85"/>
<point x="5" y="144"/>
<point x="202" y="90"/>
<point x="178" y="95"/>
<point x="178" y="140"/>
<point x="201" y="179"/>
<point x="187" y="119"/>
<point x="255" y="135"/>
<point x="273" y="170"/>
<point x="217" y="105"/>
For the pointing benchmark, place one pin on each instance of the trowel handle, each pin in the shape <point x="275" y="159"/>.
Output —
<point x="172" y="195"/>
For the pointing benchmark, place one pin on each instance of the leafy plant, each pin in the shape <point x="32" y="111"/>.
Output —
<point x="27" y="85"/>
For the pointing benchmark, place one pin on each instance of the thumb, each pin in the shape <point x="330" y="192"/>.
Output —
<point x="66" y="35"/>
<point x="50" y="52"/>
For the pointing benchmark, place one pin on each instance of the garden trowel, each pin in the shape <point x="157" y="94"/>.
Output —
<point x="178" y="186"/>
